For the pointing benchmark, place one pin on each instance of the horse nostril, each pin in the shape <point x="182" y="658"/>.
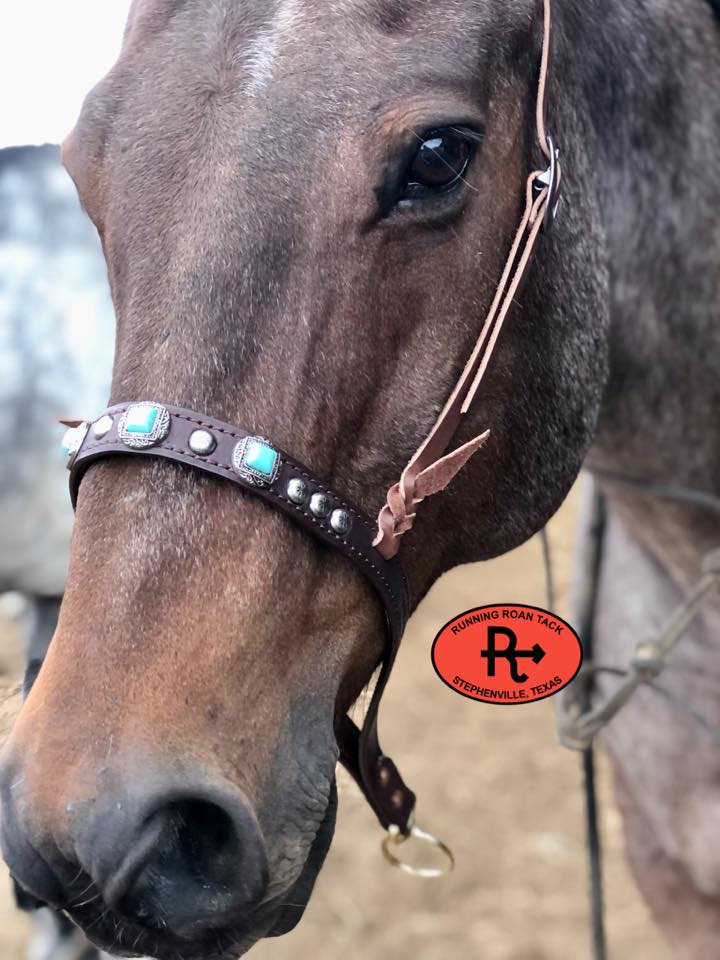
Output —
<point x="194" y="862"/>
<point x="207" y="842"/>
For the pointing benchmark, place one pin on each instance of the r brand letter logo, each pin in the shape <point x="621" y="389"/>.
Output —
<point x="510" y="653"/>
<point x="479" y="655"/>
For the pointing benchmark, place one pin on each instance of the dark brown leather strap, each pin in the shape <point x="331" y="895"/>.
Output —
<point x="218" y="448"/>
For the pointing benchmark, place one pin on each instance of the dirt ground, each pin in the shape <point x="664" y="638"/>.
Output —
<point x="494" y="784"/>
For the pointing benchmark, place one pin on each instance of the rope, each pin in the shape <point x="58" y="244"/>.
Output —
<point x="672" y="698"/>
<point x="593" y="839"/>
<point x="695" y="498"/>
<point x="579" y="721"/>
<point x="547" y="569"/>
<point x="595" y="856"/>
<point x="587" y="758"/>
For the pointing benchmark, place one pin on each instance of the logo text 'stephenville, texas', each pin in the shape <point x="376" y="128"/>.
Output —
<point x="507" y="653"/>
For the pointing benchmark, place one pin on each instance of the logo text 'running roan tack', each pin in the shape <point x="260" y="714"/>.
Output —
<point x="507" y="653"/>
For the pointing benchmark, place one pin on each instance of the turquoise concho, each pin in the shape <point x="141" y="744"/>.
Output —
<point x="255" y="460"/>
<point x="72" y="441"/>
<point x="144" y="425"/>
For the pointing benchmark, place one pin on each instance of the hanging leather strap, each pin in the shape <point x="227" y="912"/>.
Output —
<point x="430" y="469"/>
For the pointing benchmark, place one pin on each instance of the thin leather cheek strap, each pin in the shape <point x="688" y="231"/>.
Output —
<point x="541" y="197"/>
<point x="541" y="104"/>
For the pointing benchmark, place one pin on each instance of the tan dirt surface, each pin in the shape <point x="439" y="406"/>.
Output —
<point x="494" y="784"/>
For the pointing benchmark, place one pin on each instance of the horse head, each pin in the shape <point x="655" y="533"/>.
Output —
<point x="305" y="211"/>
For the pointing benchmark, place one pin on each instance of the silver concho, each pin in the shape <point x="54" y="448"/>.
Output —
<point x="320" y="505"/>
<point x="101" y="428"/>
<point x="144" y="425"/>
<point x="72" y="441"/>
<point x="256" y="461"/>
<point x="297" y="491"/>
<point x="202" y="442"/>
<point x="341" y="522"/>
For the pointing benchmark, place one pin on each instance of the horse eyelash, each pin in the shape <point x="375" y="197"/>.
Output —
<point x="475" y="135"/>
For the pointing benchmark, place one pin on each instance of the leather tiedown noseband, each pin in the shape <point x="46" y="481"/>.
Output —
<point x="254" y="464"/>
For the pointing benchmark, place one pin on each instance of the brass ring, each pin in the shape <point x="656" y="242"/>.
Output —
<point x="394" y="837"/>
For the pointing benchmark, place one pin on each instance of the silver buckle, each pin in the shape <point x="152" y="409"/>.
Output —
<point x="550" y="179"/>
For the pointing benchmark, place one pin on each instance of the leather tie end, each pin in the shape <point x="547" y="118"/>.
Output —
<point x="438" y="475"/>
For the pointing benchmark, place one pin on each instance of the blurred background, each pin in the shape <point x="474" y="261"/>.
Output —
<point x="492" y="782"/>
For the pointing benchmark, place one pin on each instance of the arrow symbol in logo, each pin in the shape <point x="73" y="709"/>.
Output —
<point x="510" y="653"/>
<point x="537" y="653"/>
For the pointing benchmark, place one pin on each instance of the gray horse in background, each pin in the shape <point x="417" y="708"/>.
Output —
<point x="56" y="343"/>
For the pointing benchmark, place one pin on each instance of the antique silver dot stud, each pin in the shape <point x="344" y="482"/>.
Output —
<point x="202" y="442"/>
<point x="320" y="505"/>
<point x="297" y="490"/>
<point x="101" y="428"/>
<point x="340" y="522"/>
<point x="72" y="441"/>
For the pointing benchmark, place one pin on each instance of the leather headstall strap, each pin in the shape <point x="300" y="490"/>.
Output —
<point x="430" y="468"/>
<point x="198" y="441"/>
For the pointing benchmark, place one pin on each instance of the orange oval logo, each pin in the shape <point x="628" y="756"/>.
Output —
<point x="507" y="653"/>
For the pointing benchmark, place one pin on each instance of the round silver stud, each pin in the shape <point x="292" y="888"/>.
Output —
<point x="341" y="522"/>
<point x="320" y="505"/>
<point x="297" y="490"/>
<point x="202" y="442"/>
<point x="72" y="442"/>
<point x="101" y="428"/>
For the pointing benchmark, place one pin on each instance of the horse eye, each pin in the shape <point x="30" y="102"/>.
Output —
<point x="440" y="162"/>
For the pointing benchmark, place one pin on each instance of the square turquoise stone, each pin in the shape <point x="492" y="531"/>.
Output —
<point x="141" y="419"/>
<point x="260" y="457"/>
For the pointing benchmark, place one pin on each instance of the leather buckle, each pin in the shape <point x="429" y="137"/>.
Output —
<point x="550" y="179"/>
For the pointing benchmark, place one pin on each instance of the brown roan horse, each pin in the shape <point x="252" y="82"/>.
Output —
<point x="284" y="254"/>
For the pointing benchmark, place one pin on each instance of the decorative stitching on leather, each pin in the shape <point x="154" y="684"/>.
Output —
<point x="219" y="428"/>
<point x="361" y="516"/>
<point x="265" y="492"/>
<point x="348" y="545"/>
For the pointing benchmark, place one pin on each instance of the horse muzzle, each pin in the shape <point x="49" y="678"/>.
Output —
<point x="170" y="857"/>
